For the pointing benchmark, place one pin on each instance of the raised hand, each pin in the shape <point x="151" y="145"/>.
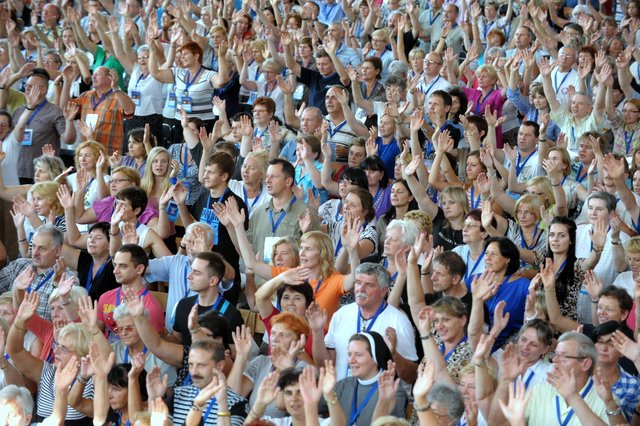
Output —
<point x="484" y="286"/>
<point x="66" y="374"/>
<point x="268" y="389"/>
<point x="134" y="303"/>
<point x="563" y="381"/>
<point x="27" y="308"/>
<point x="156" y="383"/>
<point x="310" y="389"/>
<point x="500" y="319"/>
<point x="592" y="284"/>
<point x="24" y="279"/>
<point x="129" y="235"/>
<point x="425" y="380"/>
<point x="350" y="232"/>
<point x="515" y="409"/>
<point x="316" y="317"/>
<point x="387" y="383"/>
<point x="243" y="340"/>
<point x="101" y="365"/>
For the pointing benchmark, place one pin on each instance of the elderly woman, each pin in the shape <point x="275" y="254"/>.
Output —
<point x="267" y="86"/>
<point x="378" y="48"/>
<point x="72" y="344"/>
<point x="46" y="168"/>
<point x="289" y="334"/>
<point x="487" y="95"/>
<point x="251" y="188"/>
<point x="194" y="85"/>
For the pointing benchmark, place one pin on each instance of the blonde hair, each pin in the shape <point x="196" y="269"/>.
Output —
<point x="633" y="245"/>
<point x="383" y="32"/>
<point x="458" y="195"/>
<point x="532" y="201"/>
<point x="49" y="191"/>
<point x="545" y="186"/>
<point x="566" y="158"/>
<point x="95" y="148"/>
<point x="262" y="158"/>
<point x="292" y="243"/>
<point x="489" y="69"/>
<point x="421" y="219"/>
<point x="77" y="292"/>
<point x="325" y="247"/>
<point x="131" y="173"/>
<point x="148" y="181"/>
<point x="79" y="337"/>
<point x="259" y="45"/>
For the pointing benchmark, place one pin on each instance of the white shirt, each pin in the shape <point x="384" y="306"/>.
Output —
<point x="11" y="148"/>
<point x="90" y="194"/>
<point x="531" y="166"/>
<point x="605" y="269"/>
<point x="344" y="324"/>
<point x="151" y="99"/>
<point x="237" y="187"/>
<point x="625" y="280"/>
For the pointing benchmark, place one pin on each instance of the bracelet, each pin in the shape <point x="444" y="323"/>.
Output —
<point x="480" y="363"/>
<point x="69" y="300"/>
<point x="615" y="412"/>
<point x="555" y="184"/>
<point x="195" y="407"/>
<point x="422" y="409"/>
<point x="542" y="140"/>
<point x="82" y="380"/>
<point x="594" y="301"/>
<point x="173" y="180"/>
<point x="114" y="234"/>
<point x="426" y="336"/>
<point x="18" y="328"/>
<point x="224" y="413"/>
<point x="97" y="332"/>
<point x="598" y="250"/>
<point x="3" y="87"/>
<point x="22" y="240"/>
<point x="333" y="400"/>
<point x="425" y="273"/>
<point x="30" y="109"/>
<point x="616" y="243"/>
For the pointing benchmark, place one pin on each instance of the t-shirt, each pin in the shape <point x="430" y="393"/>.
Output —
<point x="104" y="279"/>
<point x="104" y="209"/>
<point x="47" y="395"/>
<point x="182" y="400"/>
<point x="545" y="403"/>
<point x="445" y="236"/>
<point x="183" y="309"/>
<point x="196" y="90"/>
<point x="151" y="361"/>
<point x="318" y="86"/>
<point x="108" y="301"/>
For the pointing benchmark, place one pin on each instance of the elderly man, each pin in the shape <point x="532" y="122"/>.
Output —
<point x="37" y="273"/>
<point x="310" y="120"/>
<point x="582" y="116"/>
<point x="104" y="108"/>
<point x="346" y="54"/>
<point x="431" y="79"/>
<point x="370" y="312"/>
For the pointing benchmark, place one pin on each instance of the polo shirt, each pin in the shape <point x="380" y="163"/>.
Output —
<point x="545" y="402"/>
<point x="318" y="86"/>
<point x="573" y="129"/>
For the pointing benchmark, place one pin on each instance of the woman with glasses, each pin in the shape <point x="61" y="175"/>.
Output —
<point x="626" y="128"/>
<point x="267" y="85"/>
<point x="378" y="48"/>
<point x="472" y="252"/>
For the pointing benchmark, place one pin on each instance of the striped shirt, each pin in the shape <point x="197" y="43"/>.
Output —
<point x="200" y="92"/>
<point x="47" y="395"/>
<point x="183" y="400"/>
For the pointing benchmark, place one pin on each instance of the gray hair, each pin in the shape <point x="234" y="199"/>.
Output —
<point x="398" y="68"/>
<point x="586" y="347"/>
<point x="497" y="51"/>
<point x="409" y="230"/>
<point x="208" y="230"/>
<point x="317" y="110"/>
<point x="142" y="48"/>
<point x="449" y="398"/>
<point x="77" y="292"/>
<point x="376" y="270"/>
<point x="54" y="164"/>
<point x="57" y="236"/>
<point x="19" y="395"/>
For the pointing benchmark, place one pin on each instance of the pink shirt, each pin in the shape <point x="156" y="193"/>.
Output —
<point x="495" y="100"/>
<point x="104" y="209"/>
<point x="109" y="300"/>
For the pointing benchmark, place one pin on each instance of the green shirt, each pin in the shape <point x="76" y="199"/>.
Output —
<point x="101" y="60"/>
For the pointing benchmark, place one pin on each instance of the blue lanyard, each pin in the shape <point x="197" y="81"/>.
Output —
<point x="36" y="111"/>
<point x="475" y="202"/>
<point x="555" y="79"/>
<point x="215" y="306"/>
<point x="385" y="263"/>
<point x="95" y="105"/>
<point x="578" y="177"/>
<point x="317" y="287"/>
<point x="185" y="165"/>
<point x="561" y="269"/>
<point x="189" y="82"/>
<point x="255" y="132"/>
<point x="143" y="294"/>
<point x="126" y="354"/>
<point x="534" y="118"/>
<point x="128" y="423"/>
<point x="90" y="278"/>
<point x="432" y="18"/>
<point x="186" y="281"/>
<point x="338" y="215"/>
<point x="372" y="91"/>
<point x="274" y="226"/>
<point x="376" y="197"/>
<point x="382" y="307"/>
<point x="573" y="135"/>
<point x="468" y="273"/>
<point x="523" y="242"/>
<point x="267" y="93"/>
<point x="140" y="77"/>
<point x="520" y="167"/>
<point x="332" y="131"/>
<point x="431" y="85"/>
<point x="246" y="199"/>
<point x="628" y="140"/>
<point x="481" y="100"/>
<point x="42" y="282"/>
<point x="526" y="383"/>
<point x="448" y="355"/>
<point x="219" y="198"/>
<point x="357" y="410"/>
<point x="206" y="413"/>
<point x="568" y="418"/>
<point x="486" y="28"/>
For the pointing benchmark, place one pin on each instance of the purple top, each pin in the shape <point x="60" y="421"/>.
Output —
<point x="382" y="202"/>
<point x="104" y="209"/>
<point x="131" y="162"/>
<point x="494" y="99"/>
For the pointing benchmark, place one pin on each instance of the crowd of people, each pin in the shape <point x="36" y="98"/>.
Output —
<point x="431" y="207"/>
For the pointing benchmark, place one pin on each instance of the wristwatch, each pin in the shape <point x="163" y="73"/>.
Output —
<point x="615" y="412"/>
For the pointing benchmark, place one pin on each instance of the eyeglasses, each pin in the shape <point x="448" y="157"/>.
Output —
<point x="562" y="357"/>
<point x="431" y="62"/>
<point x="469" y="225"/>
<point x="120" y="180"/>
<point x="256" y="111"/>
<point x="61" y="349"/>
<point x="4" y="125"/>
<point x="126" y="329"/>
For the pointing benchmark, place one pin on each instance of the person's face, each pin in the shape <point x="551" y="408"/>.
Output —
<point x="335" y="32"/>
<point x="126" y="330"/>
<point x="118" y="397"/>
<point x="284" y="255"/>
<point x="559" y="239"/>
<point x="474" y="167"/>
<point x="374" y="177"/>
<point x="494" y="260"/>
<point x="42" y="173"/>
<point x="585" y="152"/>
<point x="63" y="350"/>
<point x="356" y="155"/>
<point x="393" y="241"/>
<point x="486" y="80"/>
<point x="530" y="348"/>
<point x="160" y="164"/>
<point x="257" y="55"/>
<point x="97" y="243"/>
<point x="607" y="353"/>
<point x="379" y="43"/>
<point x="494" y="40"/>
<point x="597" y="209"/>
<point x="281" y="336"/>
<point x="87" y="159"/>
<point x="353" y="205"/>
<point x="450" y="13"/>
<point x="14" y="414"/>
<point x="270" y="73"/>
<point x="490" y="12"/>
<point x="616" y="47"/>
<point x="217" y="37"/>
<point x="44" y="253"/>
<point x="632" y="9"/>
<point x="331" y="101"/>
<point x="630" y="113"/>
<point x="368" y="292"/>
<point x="363" y="9"/>
<point x="449" y="328"/>
<point x="251" y="171"/>
<point x="556" y="158"/>
<point x="143" y="59"/>
<point x="535" y="190"/>
<point x="101" y="79"/>
<point x="526" y="215"/>
<point x="293" y="400"/>
<point x="467" y="387"/>
<point x="50" y="14"/>
<point x="441" y="278"/>
<point x="608" y="309"/>
<point x="309" y="254"/>
<point x="387" y="127"/>
<point x="361" y="363"/>
<point x="471" y="231"/>
<point x="344" y="187"/>
<point x="292" y="301"/>
<point x="540" y="102"/>
<point x="4" y="126"/>
<point x="417" y="62"/>
<point x="580" y="106"/>
<point x="212" y="177"/>
<point x="200" y="367"/>
<point x="451" y="209"/>
<point x="36" y="81"/>
<point x="436" y="106"/>
<point x="567" y="57"/>
<point x="526" y="138"/>
<point x="325" y="66"/>
<point x="243" y="25"/>
<point x="30" y="41"/>
<point x="310" y="121"/>
<point x="188" y="59"/>
<point x="199" y="278"/>
<point x="277" y="182"/>
<point x="634" y="263"/>
<point x="400" y="195"/>
<point x="51" y="63"/>
<point x="119" y="181"/>
<point x="292" y="24"/>
<point x="261" y="116"/>
<point x="305" y="50"/>
<point x="573" y="365"/>
<point x="6" y="313"/>
<point x="368" y="71"/>
<point x="432" y="64"/>
<point x="124" y="270"/>
<point x="57" y="311"/>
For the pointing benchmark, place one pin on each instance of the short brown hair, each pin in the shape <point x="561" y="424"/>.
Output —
<point x="193" y="48"/>
<point x="268" y="103"/>
<point x="225" y="163"/>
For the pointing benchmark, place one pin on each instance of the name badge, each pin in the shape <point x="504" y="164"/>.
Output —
<point x="361" y="115"/>
<point x="252" y="98"/>
<point x="27" y="138"/>
<point x="172" y="100"/>
<point x="136" y="97"/>
<point x="209" y="217"/>
<point x="172" y="211"/>
<point x="92" y="121"/>
<point x="185" y="102"/>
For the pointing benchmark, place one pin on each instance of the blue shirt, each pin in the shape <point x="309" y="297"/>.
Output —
<point x="348" y="56"/>
<point x="388" y="154"/>
<point x="306" y="183"/>
<point x="330" y="12"/>
<point x="627" y="392"/>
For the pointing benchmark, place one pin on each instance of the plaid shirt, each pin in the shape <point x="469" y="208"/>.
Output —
<point x="627" y="391"/>
<point x="109" y="130"/>
<point x="43" y="283"/>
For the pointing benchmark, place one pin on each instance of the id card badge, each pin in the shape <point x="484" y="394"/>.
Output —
<point x="361" y="115"/>
<point x="209" y="217"/>
<point x="269" y="242"/>
<point x="252" y="98"/>
<point x="27" y="138"/>
<point x="92" y="121"/>
<point x="215" y="111"/>
<point x="185" y="102"/>
<point x="136" y="97"/>
<point x="172" y="211"/>
<point x="172" y="99"/>
<point x="298" y="94"/>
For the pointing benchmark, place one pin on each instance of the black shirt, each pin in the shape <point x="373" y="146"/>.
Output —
<point x="318" y="86"/>
<point x="445" y="236"/>
<point x="225" y="309"/>
<point x="104" y="279"/>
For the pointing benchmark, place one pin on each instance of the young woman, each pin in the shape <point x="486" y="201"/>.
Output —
<point x="378" y="183"/>
<point x="137" y="155"/>
<point x="402" y="201"/>
<point x="472" y="252"/>
<point x="158" y="172"/>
